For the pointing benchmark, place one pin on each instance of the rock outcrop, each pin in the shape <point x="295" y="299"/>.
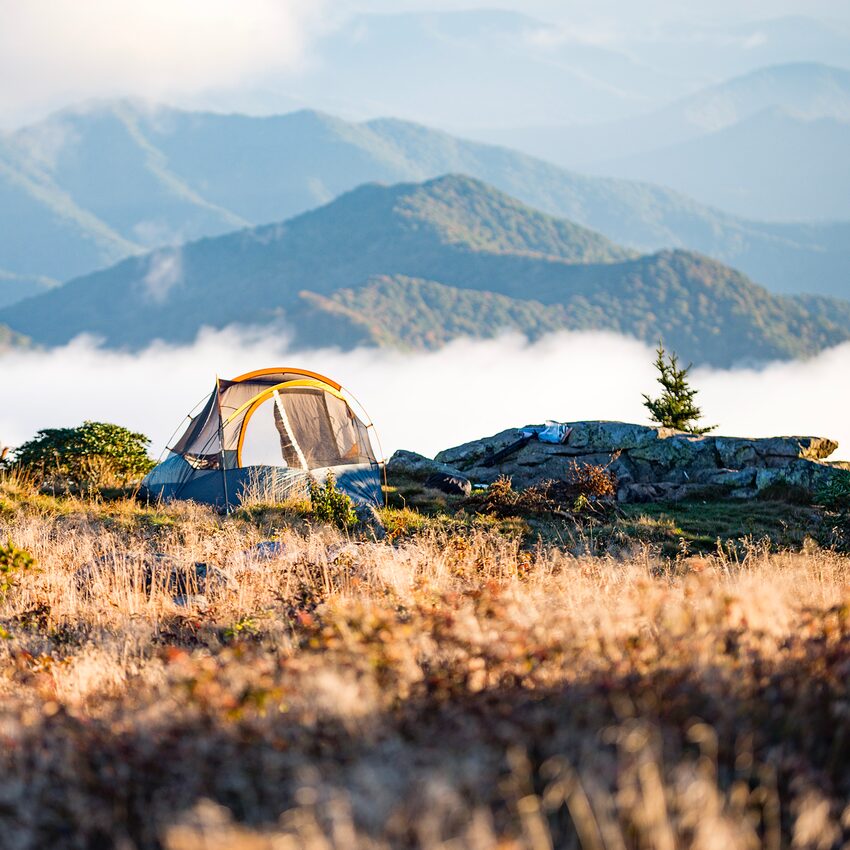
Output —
<point x="650" y="463"/>
<point x="432" y="473"/>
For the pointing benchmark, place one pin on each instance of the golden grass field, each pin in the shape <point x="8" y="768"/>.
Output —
<point x="444" y="688"/>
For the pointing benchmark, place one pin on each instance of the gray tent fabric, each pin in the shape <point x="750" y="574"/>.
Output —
<point x="263" y="436"/>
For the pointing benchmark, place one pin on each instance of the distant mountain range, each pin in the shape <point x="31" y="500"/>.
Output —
<point x="15" y="287"/>
<point x="807" y="90"/>
<point x="414" y="265"/>
<point x="772" y="144"/>
<point x="508" y="69"/>
<point x="772" y="165"/>
<point x="501" y="63"/>
<point x="88" y="187"/>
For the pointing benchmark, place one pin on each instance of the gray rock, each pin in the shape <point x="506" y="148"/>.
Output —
<point x="811" y="475"/>
<point x="370" y="520"/>
<point x="809" y="448"/>
<point x="468" y="455"/>
<point x="637" y="493"/>
<point x="417" y="466"/>
<point x="732" y="477"/>
<point x="735" y="453"/>
<point x="652" y="463"/>
<point x="592" y="437"/>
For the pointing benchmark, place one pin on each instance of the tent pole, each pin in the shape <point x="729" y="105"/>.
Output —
<point x="221" y="444"/>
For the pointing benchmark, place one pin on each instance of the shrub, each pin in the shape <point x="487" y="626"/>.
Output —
<point x="13" y="562"/>
<point x="88" y="457"/>
<point x="835" y="493"/>
<point x="331" y="505"/>
<point x="584" y="486"/>
<point x="591" y="481"/>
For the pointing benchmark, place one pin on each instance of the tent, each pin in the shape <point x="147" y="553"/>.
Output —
<point x="263" y="435"/>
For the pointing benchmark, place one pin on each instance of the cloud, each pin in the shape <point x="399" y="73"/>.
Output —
<point x="57" y="51"/>
<point x="422" y="401"/>
<point x="164" y="273"/>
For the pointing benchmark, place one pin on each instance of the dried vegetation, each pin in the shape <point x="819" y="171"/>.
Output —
<point x="451" y="686"/>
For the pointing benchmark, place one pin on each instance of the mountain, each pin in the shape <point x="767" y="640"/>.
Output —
<point x="43" y="232"/>
<point x="154" y="177"/>
<point x="772" y="165"/>
<point x="452" y="67"/>
<point x="806" y="91"/>
<point x="14" y="287"/>
<point x="715" y="51"/>
<point x="472" y="69"/>
<point x="416" y="264"/>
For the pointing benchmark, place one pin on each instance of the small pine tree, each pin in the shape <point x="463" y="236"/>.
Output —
<point x="675" y="407"/>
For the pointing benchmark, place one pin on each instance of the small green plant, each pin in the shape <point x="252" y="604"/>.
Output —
<point x="835" y="493"/>
<point x="13" y="562"/>
<point x="331" y="505"/>
<point x="675" y="407"/>
<point x="581" y="503"/>
<point x="88" y="457"/>
<point x="244" y="627"/>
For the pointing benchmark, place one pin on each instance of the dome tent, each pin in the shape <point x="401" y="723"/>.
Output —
<point x="264" y="434"/>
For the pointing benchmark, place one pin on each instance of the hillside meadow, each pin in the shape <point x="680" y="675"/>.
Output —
<point x="461" y="683"/>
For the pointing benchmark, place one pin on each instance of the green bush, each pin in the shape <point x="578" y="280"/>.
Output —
<point x="88" y="457"/>
<point x="13" y="562"/>
<point x="835" y="493"/>
<point x="331" y="505"/>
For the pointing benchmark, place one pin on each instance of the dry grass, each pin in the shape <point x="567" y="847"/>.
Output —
<point x="449" y="689"/>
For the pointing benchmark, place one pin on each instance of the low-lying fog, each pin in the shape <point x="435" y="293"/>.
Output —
<point x="422" y="401"/>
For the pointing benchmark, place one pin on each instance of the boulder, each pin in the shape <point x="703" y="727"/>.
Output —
<point x="799" y="472"/>
<point x="417" y="466"/>
<point x="473" y="454"/>
<point x="593" y="437"/>
<point x="736" y="452"/>
<point x="637" y="493"/>
<point x="678" y="457"/>
<point x="734" y="478"/>
<point x="649" y="462"/>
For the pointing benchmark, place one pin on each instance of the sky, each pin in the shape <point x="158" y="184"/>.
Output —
<point x="58" y="52"/>
<point x="643" y="14"/>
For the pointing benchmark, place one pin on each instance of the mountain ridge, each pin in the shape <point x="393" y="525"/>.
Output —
<point x="527" y="272"/>
<point x="270" y="169"/>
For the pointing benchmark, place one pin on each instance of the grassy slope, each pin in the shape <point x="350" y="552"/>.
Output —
<point x="448" y="684"/>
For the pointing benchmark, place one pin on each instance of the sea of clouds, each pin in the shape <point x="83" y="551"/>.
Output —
<point x="420" y="401"/>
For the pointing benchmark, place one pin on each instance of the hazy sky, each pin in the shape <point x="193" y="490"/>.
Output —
<point x="57" y="52"/>
<point x="645" y="12"/>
